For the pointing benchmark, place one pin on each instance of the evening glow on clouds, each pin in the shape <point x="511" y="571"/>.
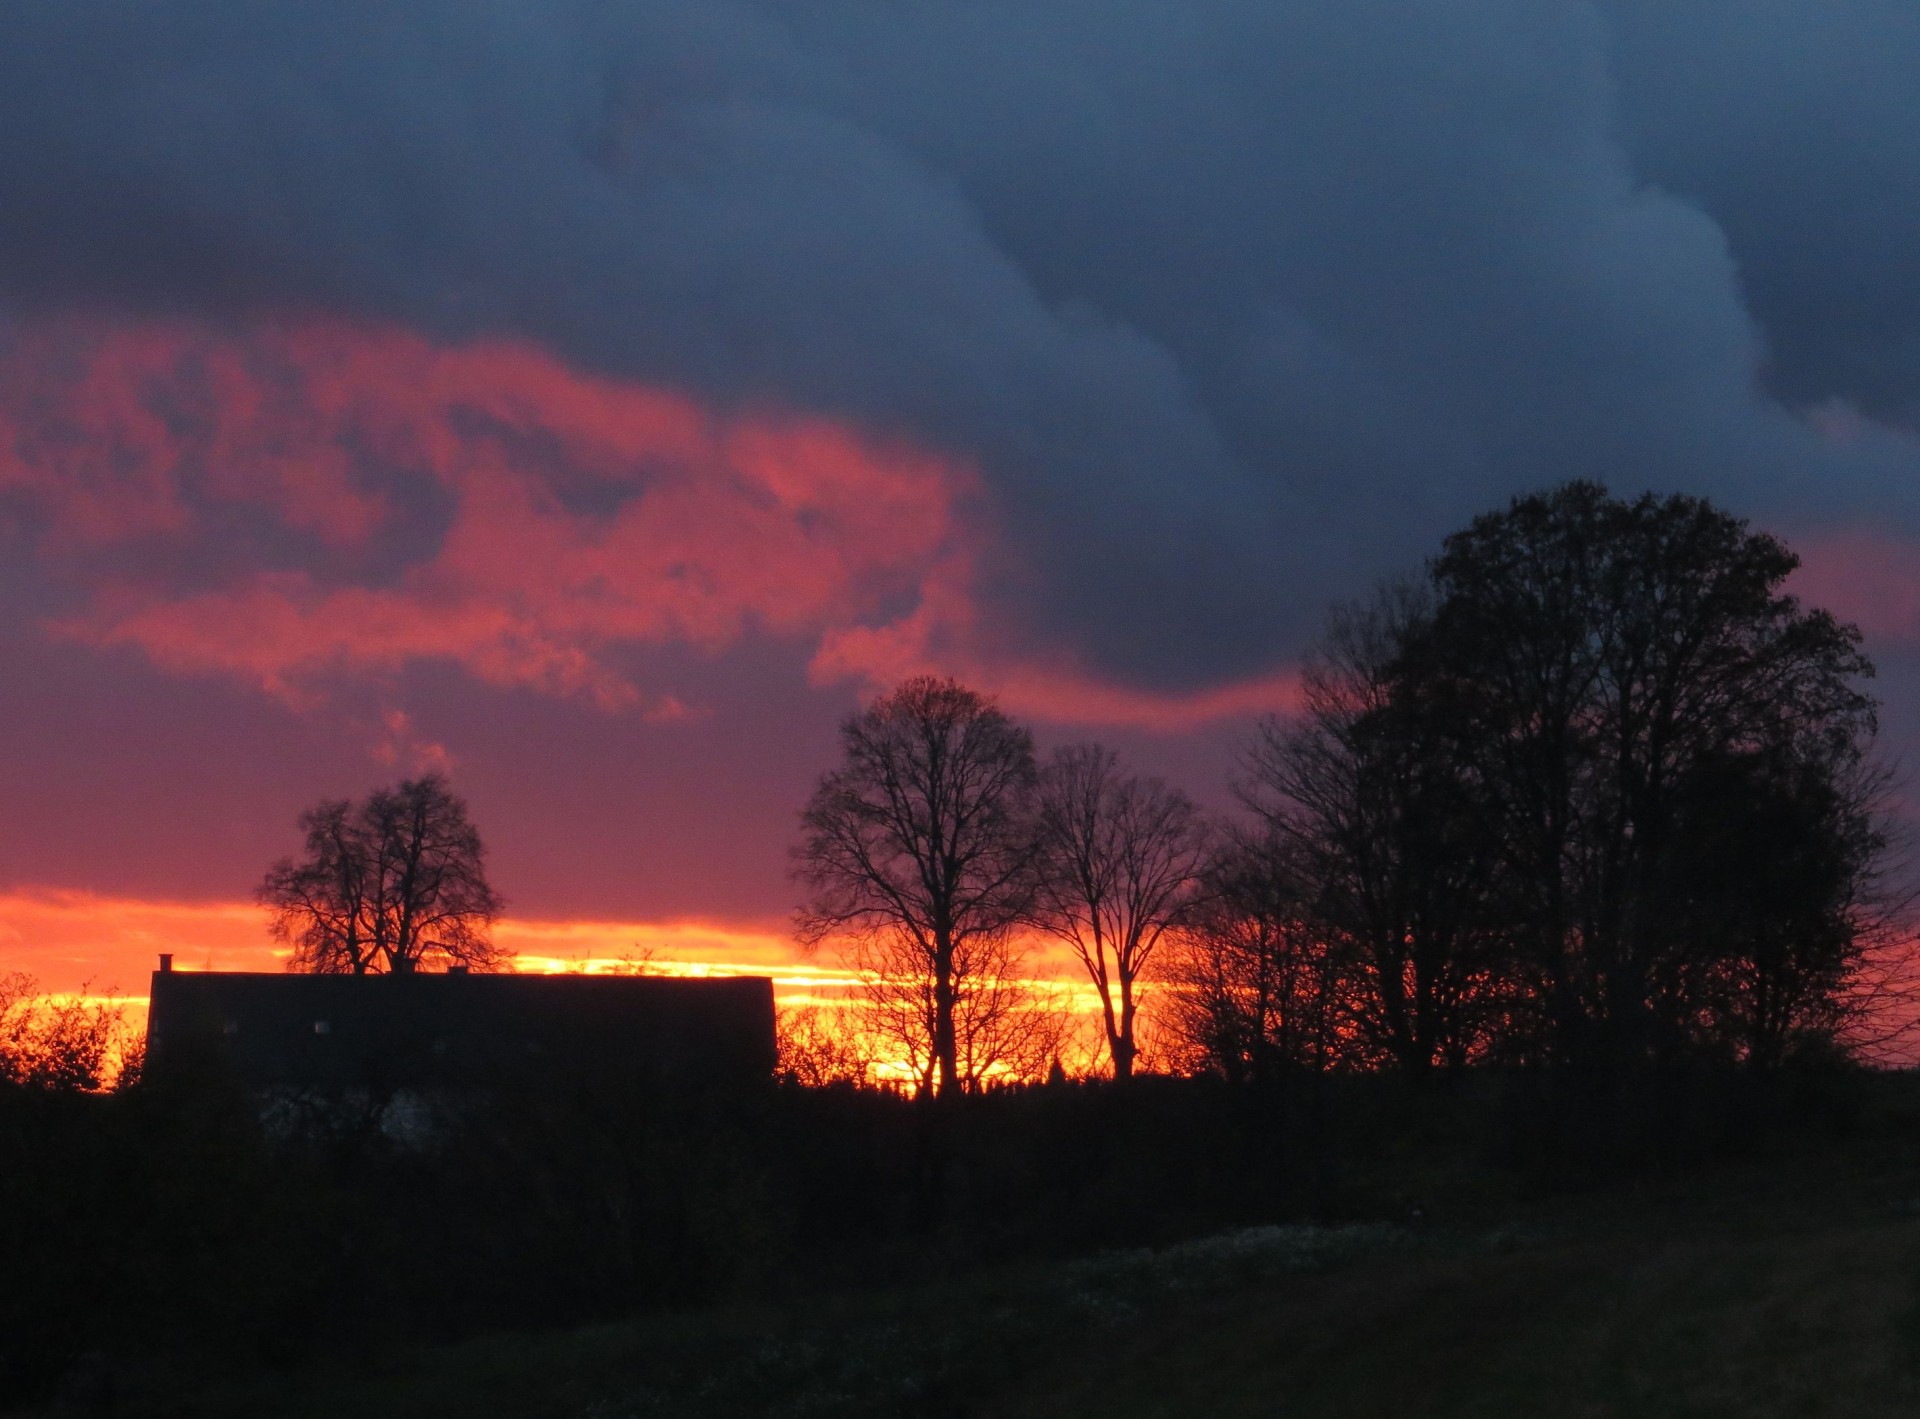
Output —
<point x="552" y="518"/>
<point x="599" y="408"/>
<point x="206" y="499"/>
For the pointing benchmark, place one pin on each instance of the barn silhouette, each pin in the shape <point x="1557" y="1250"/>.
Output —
<point x="454" y="1030"/>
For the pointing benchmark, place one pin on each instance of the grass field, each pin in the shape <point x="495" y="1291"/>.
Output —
<point x="1770" y="1288"/>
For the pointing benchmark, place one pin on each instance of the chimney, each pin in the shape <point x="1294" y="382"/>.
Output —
<point x="456" y="970"/>
<point x="166" y="963"/>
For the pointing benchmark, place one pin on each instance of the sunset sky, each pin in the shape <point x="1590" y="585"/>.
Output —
<point x="595" y="402"/>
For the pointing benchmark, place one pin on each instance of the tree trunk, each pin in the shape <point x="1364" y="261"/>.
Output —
<point x="946" y="1052"/>
<point x="1120" y="1042"/>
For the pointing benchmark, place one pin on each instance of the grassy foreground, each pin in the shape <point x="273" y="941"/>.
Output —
<point x="1789" y="1287"/>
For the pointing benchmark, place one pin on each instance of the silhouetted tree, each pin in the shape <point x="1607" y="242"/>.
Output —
<point x="1770" y="882"/>
<point x="918" y="845"/>
<point x="393" y="884"/>
<point x="1397" y="866"/>
<point x="1601" y="664"/>
<point x="1117" y="861"/>
<point x="1598" y="795"/>
<point x="820" y="1045"/>
<point x="1007" y="1024"/>
<point x="1255" y="989"/>
<point x="65" y="1043"/>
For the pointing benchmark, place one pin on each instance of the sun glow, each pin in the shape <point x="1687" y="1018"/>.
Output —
<point x="103" y="948"/>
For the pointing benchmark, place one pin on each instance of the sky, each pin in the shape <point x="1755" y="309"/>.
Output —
<point x="598" y="401"/>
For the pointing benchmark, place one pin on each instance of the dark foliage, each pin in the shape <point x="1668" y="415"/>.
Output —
<point x="1596" y="798"/>
<point x="169" y="1233"/>
<point x="396" y="883"/>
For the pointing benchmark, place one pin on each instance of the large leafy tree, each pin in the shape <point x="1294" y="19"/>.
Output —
<point x="919" y="844"/>
<point x="1601" y="666"/>
<point x="395" y="883"/>
<point x="1598" y="794"/>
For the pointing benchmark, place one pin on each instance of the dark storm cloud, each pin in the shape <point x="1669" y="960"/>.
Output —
<point x="1798" y="128"/>
<point x="1237" y="305"/>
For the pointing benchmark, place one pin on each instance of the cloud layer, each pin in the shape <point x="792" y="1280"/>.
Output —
<point x="304" y="502"/>
<point x="596" y="396"/>
<point x="1231" y="306"/>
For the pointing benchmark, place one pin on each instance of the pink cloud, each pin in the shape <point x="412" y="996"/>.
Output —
<point x="696" y="528"/>
<point x="574" y="515"/>
<point x="114" y="430"/>
<point x="400" y="746"/>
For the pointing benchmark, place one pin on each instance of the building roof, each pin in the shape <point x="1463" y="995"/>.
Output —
<point x="408" y="1031"/>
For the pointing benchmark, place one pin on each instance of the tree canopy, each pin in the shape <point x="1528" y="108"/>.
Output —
<point x="920" y="842"/>
<point x="1599" y="792"/>
<point x="395" y="883"/>
<point x="1117" y="858"/>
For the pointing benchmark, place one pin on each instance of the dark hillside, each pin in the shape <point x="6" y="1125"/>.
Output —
<point x="1381" y="1274"/>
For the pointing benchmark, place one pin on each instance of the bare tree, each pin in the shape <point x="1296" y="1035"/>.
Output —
<point x="919" y="842"/>
<point x="1117" y="860"/>
<point x="1006" y="1024"/>
<point x="393" y="884"/>
<point x="822" y="1045"/>
<point x="1394" y="859"/>
<point x="1255" y="987"/>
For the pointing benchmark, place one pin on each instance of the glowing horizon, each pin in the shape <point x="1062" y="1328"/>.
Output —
<point x="106" y="948"/>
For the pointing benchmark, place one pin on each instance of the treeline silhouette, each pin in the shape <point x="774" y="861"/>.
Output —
<point x="1573" y="861"/>
<point x="1594" y="796"/>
